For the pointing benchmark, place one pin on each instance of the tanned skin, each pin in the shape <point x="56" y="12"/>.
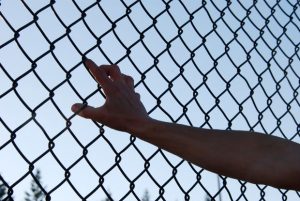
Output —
<point x="248" y="156"/>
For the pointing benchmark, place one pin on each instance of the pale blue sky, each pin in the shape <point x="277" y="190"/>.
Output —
<point x="32" y="141"/>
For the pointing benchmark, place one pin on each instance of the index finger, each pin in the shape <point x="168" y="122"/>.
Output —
<point x="99" y="75"/>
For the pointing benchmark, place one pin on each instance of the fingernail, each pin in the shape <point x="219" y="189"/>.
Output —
<point x="75" y="107"/>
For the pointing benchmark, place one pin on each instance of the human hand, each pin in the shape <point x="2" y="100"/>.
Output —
<point x="122" y="109"/>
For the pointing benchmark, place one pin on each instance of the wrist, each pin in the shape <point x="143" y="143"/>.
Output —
<point x="140" y="127"/>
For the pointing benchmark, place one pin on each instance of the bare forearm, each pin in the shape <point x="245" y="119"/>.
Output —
<point x="252" y="157"/>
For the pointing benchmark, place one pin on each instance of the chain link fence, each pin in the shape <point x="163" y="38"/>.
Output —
<point x="211" y="64"/>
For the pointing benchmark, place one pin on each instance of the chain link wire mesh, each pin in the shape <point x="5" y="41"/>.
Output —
<point x="211" y="64"/>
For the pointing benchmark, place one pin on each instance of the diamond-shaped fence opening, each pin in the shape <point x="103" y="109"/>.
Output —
<point x="210" y="64"/>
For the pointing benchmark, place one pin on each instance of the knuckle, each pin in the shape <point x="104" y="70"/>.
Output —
<point x="129" y="78"/>
<point x="138" y="95"/>
<point x="84" y="114"/>
<point x="115" y="67"/>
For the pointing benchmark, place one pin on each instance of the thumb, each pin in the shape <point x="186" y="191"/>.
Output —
<point x="85" y="111"/>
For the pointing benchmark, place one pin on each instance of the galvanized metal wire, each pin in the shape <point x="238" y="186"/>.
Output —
<point x="235" y="65"/>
